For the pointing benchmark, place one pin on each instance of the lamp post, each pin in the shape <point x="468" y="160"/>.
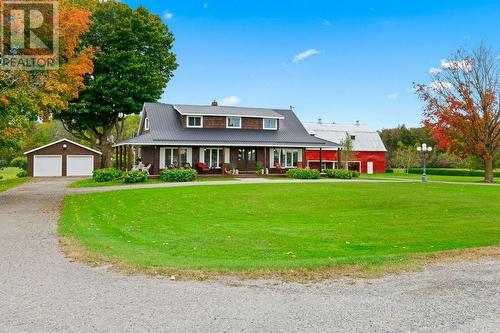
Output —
<point x="423" y="150"/>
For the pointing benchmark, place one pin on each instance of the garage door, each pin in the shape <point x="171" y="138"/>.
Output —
<point x="80" y="165"/>
<point x="47" y="166"/>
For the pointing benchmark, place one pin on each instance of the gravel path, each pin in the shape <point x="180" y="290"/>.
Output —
<point x="42" y="291"/>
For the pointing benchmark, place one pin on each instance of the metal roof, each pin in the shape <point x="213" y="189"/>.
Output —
<point x="207" y="110"/>
<point x="166" y="129"/>
<point x="366" y="139"/>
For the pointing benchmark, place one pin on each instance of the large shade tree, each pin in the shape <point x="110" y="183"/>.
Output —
<point x="133" y="63"/>
<point x="462" y="106"/>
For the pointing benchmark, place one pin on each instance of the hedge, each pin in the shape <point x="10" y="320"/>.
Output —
<point x="22" y="174"/>
<point x="341" y="173"/>
<point x="106" y="175"/>
<point x="135" y="176"/>
<point x="303" y="174"/>
<point x="451" y="172"/>
<point x="178" y="175"/>
<point x="19" y="162"/>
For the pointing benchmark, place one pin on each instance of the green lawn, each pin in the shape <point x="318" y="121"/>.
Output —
<point x="280" y="226"/>
<point x="9" y="179"/>
<point x="89" y="182"/>
<point x="467" y="179"/>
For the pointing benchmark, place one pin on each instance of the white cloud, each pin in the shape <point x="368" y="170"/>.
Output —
<point x="230" y="101"/>
<point x="392" y="96"/>
<point x="464" y="65"/>
<point x="168" y="15"/>
<point x="305" y="54"/>
<point x="440" y="85"/>
<point x="434" y="70"/>
<point x="205" y="5"/>
<point x="326" y="22"/>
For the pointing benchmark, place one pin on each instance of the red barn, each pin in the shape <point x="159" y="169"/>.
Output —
<point x="369" y="150"/>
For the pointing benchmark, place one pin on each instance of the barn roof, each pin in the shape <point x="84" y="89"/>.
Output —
<point x="366" y="139"/>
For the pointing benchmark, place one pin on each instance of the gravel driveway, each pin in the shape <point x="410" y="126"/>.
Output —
<point x="42" y="291"/>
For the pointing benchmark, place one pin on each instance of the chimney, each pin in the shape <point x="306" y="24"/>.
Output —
<point x="320" y="121"/>
<point x="214" y="103"/>
<point x="357" y="122"/>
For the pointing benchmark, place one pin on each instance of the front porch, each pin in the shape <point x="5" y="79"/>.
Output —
<point x="212" y="161"/>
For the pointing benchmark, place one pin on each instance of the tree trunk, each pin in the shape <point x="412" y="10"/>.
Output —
<point x="488" y="170"/>
<point x="107" y="153"/>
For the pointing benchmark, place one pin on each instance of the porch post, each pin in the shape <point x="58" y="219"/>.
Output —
<point x="320" y="159"/>
<point x="178" y="157"/>
<point x="125" y="158"/>
<point x="116" y="157"/>
<point x="119" y="157"/>
<point x="223" y="161"/>
<point x="265" y="160"/>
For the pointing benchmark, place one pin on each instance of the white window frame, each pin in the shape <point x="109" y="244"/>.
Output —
<point x="163" y="156"/>
<point x="212" y="149"/>
<point x="270" y="128"/>
<point x="146" y="124"/>
<point x="201" y="121"/>
<point x="284" y="151"/>
<point x="227" y="122"/>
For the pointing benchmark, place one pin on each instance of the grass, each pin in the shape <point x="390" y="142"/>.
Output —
<point x="9" y="179"/>
<point x="281" y="227"/>
<point x="467" y="179"/>
<point x="89" y="182"/>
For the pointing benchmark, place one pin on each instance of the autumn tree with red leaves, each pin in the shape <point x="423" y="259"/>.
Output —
<point x="462" y="106"/>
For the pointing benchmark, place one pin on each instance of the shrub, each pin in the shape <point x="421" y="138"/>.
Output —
<point x="19" y="162"/>
<point x="1" y="177"/>
<point x="22" y="174"/>
<point x="3" y="164"/>
<point x="178" y="175"/>
<point x="389" y="170"/>
<point x="106" y="175"/>
<point x="355" y="174"/>
<point x="340" y="173"/>
<point x="303" y="174"/>
<point x="135" y="176"/>
<point x="451" y="172"/>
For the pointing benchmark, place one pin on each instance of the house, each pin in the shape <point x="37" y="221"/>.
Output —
<point x="369" y="150"/>
<point x="213" y="138"/>
<point x="62" y="158"/>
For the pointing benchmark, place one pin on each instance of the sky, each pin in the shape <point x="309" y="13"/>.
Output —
<point x="340" y="61"/>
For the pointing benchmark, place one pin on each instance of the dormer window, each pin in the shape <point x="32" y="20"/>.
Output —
<point x="195" y="121"/>
<point x="146" y="124"/>
<point x="233" y="122"/>
<point x="353" y="137"/>
<point x="270" y="124"/>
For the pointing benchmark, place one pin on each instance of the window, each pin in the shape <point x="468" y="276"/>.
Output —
<point x="146" y="124"/>
<point x="233" y="122"/>
<point x="270" y="124"/>
<point x="172" y="155"/>
<point x="287" y="158"/>
<point x="212" y="157"/>
<point x="353" y="137"/>
<point x="196" y="121"/>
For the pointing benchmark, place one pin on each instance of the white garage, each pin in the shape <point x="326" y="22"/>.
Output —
<point x="80" y="165"/>
<point x="62" y="158"/>
<point x="47" y="166"/>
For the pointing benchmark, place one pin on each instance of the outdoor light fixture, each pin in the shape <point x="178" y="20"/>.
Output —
<point x="423" y="150"/>
<point x="65" y="146"/>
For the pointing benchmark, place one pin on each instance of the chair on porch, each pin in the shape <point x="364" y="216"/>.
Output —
<point x="278" y="167"/>
<point x="146" y="168"/>
<point x="202" y="167"/>
<point x="227" y="169"/>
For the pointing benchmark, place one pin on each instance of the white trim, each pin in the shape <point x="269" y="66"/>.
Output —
<point x="197" y="144"/>
<point x="146" y="124"/>
<point x="227" y="115"/>
<point x="227" y="155"/>
<point x="141" y="121"/>
<point x="58" y="141"/>
<point x="283" y="164"/>
<point x="227" y="122"/>
<point x="202" y="156"/>
<point x="67" y="160"/>
<point x="269" y="129"/>
<point x="201" y="121"/>
<point x="189" y="155"/>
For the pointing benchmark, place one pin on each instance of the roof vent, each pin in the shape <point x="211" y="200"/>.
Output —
<point x="320" y="121"/>
<point x="214" y="103"/>
<point x="357" y="122"/>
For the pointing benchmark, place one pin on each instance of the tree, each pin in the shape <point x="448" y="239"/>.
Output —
<point x="27" y="95"/>
<point x="133" y="63"/>
<point x="462" y="106"/>
<point x="347" y="152"/>
<point x="405" y="156"/>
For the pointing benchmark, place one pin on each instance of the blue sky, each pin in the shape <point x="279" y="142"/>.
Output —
<point x="340" y="61"/>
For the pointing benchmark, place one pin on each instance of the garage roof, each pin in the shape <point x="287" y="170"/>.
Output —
<point x="66" y="140"/>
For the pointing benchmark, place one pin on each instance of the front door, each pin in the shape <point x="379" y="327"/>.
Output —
<point x="247" y="159"/>
<point x="369" y="168"/>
